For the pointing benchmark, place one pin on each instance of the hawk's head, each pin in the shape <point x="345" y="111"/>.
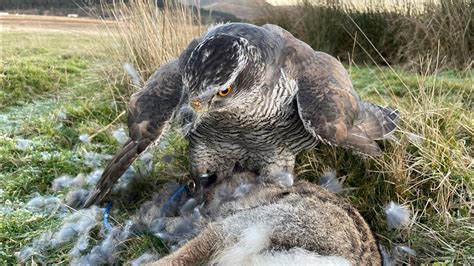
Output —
<point x="221" y="72"/>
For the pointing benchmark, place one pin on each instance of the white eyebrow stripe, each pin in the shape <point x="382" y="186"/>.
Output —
<point x="241" y="63"/>
<point x="208" y="92"/>
<point x="186" y="76"/>
<point x="242" y="60"/>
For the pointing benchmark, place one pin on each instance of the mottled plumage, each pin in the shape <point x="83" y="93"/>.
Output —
<point x="281" y="97"/>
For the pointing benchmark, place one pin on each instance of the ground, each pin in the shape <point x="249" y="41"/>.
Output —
<point x="54" y="89"/>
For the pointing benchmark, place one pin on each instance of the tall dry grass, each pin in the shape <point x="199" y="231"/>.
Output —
<point x="402" y="33"/>
<point x="445" y="29"/>
<point x="146" y="36"/>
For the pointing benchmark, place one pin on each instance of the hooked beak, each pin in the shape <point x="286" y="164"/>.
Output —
<point x="199" y="106"/>
<point x="202" y="103"/>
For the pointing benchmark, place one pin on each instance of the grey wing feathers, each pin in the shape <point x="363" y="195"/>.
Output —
<point x="373" y="123"/>
<point x="184" y="57"/>
<point x="327" y="103"/>
<point x="376" y="121"/>
<point x="150" y="111"/>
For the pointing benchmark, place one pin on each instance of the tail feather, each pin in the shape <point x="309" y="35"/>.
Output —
<point x="373" y="123"/>
<point x="114" y="170"/>
<point x="378" y="122"/>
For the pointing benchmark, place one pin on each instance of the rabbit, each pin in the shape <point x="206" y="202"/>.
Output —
<point x="266" y="223"/>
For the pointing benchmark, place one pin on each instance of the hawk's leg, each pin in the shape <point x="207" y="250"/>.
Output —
<point x="279" y="168"/>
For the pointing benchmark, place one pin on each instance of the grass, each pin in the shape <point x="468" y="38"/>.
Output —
<point x="429" y="167"/>
<point x="402" y="32"/>
<point x="29" y="71"/>
<point x="66" y="79"/>
<point x="149" y="36"/>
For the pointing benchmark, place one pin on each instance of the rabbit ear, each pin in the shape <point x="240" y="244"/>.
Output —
<point x="150" y="112"/>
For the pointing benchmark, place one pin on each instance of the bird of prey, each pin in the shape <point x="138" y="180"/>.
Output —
<point x="249" y="97"/>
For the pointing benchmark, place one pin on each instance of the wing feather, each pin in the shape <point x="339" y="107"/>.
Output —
<point x="149" y="113"/>
<point x="327" y="102"/>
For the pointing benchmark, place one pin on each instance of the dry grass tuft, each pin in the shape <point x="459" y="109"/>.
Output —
<point x="445" y="29"/>
<point x="146" y="36"/>
<point x="401" y="32"/>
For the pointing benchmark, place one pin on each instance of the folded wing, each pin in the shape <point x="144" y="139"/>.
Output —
<point x="149" y="113"/>
<point x="327" y="103"/>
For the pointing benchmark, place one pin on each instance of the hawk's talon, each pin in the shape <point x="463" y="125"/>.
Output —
<point x="204" y="175"/>
<point x="191" y="186"/>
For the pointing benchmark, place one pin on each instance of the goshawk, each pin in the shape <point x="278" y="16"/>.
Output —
<point x="249" y="97"/>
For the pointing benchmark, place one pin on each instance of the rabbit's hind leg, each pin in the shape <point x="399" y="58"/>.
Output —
<point x="197" y="251"/>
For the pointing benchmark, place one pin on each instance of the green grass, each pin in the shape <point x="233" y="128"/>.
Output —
<point x="31" y="106"/>
<point x="31" y="68"/>
<point x="45" y="75"/>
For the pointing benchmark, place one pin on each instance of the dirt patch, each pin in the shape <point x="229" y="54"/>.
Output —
<point x="53" y="23"/>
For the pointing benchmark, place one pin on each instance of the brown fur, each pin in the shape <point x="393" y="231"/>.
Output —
<point x="304" y="216"/>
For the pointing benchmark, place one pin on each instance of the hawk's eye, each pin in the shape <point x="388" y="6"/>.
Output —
<point x="225" y="92"/>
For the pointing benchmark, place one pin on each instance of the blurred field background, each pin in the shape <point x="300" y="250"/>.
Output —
<point x="62" y="78"/>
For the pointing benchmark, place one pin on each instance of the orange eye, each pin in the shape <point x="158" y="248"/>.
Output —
<point x="225" y="92"/>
